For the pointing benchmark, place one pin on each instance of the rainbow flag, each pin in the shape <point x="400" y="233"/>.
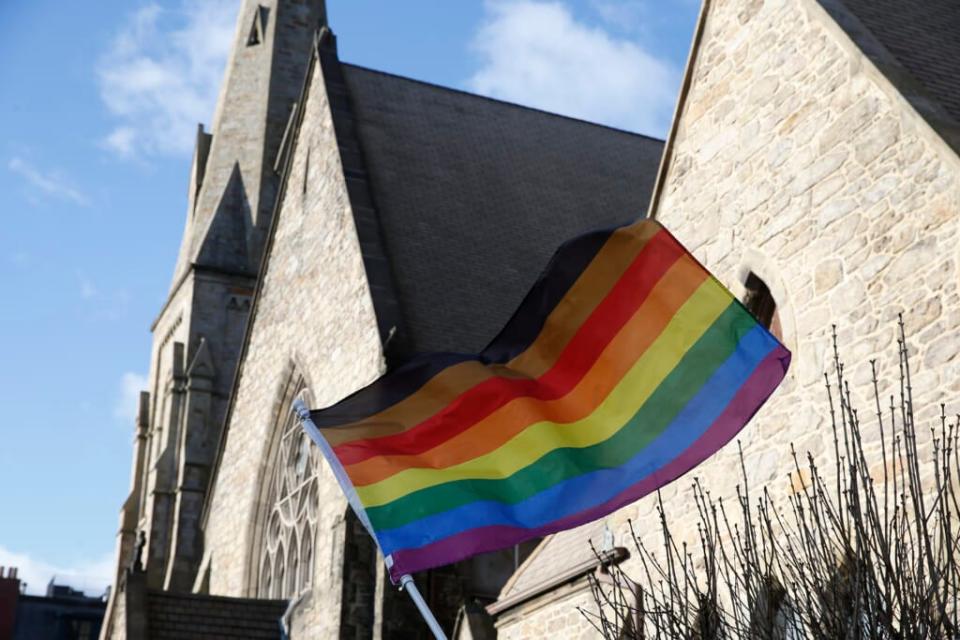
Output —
<point x="626" y="365"/>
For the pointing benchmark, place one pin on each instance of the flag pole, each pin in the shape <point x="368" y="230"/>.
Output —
<point x="407" y="584"/>
<point x="406" y="580"/>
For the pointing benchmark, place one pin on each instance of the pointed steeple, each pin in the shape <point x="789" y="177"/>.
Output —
<point x="264" y="73"/>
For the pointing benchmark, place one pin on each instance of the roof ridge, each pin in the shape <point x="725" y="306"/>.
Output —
<point x="508" y="103"/>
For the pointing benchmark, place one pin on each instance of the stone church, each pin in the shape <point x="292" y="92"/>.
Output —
<point x="340" y="219"/>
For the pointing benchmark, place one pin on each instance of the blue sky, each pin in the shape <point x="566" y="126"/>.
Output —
<point x="97" y="109"/>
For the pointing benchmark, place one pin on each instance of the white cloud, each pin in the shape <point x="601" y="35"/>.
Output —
<point x="88" y="289"/>
<point x="131" y="384"/>
<point x="626" y="15"/>
<point x="90" y="577"/>
<point x="47" y="183"/>
<point x="162" y="73"/>
<point x="536" y="53"/>
<point x="19" y="259"/>
<point x="122" y="140"/>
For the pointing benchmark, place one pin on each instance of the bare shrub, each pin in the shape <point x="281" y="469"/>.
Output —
<point x="856" y="556"/>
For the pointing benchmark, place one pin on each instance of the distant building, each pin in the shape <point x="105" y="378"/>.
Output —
<point x="62" y="614"/>
<point x="9" y="595"/>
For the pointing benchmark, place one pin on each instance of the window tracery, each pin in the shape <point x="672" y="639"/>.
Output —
<point x="290" y="524"/>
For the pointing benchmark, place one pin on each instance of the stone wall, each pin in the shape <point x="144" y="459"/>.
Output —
<point x="794" y="158"/>
<point x="186" y="406"/>
<point x="315" y="317"/>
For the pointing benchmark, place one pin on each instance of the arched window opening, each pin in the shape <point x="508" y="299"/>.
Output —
<point x="306" y="564"/>
<point x="256" y="29"/>
<point x="759" y="301"/>
<point x="291" y="510"/>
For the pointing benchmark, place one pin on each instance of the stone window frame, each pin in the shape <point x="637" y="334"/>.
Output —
<point x="281" y="482"/>
<point x="769" y="271"/>
<point x="759" y="301"/>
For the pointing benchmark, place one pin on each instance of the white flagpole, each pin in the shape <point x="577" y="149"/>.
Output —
<point x="406" y="580"/>
<point x="407" y="584"/>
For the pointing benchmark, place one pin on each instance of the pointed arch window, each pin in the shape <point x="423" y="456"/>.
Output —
<point x="256" y="29"/>
<point x="290" y="522"/>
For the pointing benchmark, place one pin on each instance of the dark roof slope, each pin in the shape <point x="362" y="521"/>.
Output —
<point x="473" y="196"/>
<point x="924" y="37"/>
<point x="184" y="616"/>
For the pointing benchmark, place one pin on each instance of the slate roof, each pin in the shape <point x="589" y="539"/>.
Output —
<point x="555" y="553"/>
<point x="924" y="37"/>
<point x="473" y="195"/>
<point x="173" y="616"/>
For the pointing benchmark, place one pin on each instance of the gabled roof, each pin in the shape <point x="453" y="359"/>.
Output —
<point x="913" y="43"/>
<point x="561" y="559"/>
<point x="473" y="195"/>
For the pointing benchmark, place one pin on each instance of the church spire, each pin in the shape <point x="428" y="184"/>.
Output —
<point x="231" y="196"/>
<point x="264" y="72"/>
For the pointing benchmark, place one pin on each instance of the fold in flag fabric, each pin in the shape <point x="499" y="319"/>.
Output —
<point x="626" y="365"/>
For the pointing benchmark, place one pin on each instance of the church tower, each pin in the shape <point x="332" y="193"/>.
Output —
<point x="198" y="334"/>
